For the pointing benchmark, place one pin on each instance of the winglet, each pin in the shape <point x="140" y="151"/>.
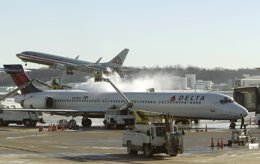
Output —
<point x="77" y="57"/>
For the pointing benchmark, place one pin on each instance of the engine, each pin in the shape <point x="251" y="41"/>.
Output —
<point x="38" y="102"/>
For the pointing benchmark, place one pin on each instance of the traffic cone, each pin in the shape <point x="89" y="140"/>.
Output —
<point x="212" y="142"/>
<point x="54" y="127"/>
<point x="222" y="143"/>
<point x="206" y="128"/>
<point x="62" y="127"/>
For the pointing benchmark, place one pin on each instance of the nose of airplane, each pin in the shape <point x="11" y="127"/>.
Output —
<point x="18" y="55"/>
<point x="242" y="110"/>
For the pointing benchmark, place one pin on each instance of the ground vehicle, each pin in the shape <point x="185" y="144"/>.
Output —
<point x="9" y="114"/>
<point x="72" y="124"/>
<point x="29" y="119"/>
<point x="150" y="133"/>
<point x="241" y="137"/>
<point x="154" y="137"/>
<point x="117" y="116"/>
<point x="118" y="119"/>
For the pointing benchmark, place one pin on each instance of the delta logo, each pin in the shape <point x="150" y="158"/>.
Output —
<point x="187" y="98"/>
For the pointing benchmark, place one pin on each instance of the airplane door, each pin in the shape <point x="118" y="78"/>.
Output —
<point x="212" y="108"/>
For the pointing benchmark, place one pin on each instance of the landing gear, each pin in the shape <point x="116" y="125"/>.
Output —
<point x="196" y="121"/>
<point x="69" y="72"/>
<point x="73" y="125"/>
<point x="29" y="123"/>
<point x="86" y="122"/>
<point x="182" y="121"/>
<point x="232" y="125"/>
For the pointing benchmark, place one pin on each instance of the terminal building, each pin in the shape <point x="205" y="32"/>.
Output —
<point x="178" y="83"/>
<point x="203" y="85"/>
<point x="189" y="82"/>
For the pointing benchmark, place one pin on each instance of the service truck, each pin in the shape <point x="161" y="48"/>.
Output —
<point x="118" y="119"/>
<point x="29" y="119"/>
<point x="153" y="137"/>
<point x="149" y="134"/>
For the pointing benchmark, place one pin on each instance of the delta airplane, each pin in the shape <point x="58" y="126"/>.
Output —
<point x="196" y="105"/>
<point x="69" y="64"/>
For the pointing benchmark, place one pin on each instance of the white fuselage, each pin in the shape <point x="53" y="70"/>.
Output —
<point x="200" y="105"/>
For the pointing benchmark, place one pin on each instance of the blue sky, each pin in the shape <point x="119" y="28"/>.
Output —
<point x="203" y="33"/>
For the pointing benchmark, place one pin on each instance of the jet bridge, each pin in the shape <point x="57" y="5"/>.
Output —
<point x="249" y="97"/>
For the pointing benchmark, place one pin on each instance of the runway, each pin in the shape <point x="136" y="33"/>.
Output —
<point x="99" y="145"/>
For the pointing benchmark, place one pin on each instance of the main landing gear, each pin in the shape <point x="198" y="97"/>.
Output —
<point x="232" y="124"/>
<point x="86" y="122"/>
<point x="69" y="72"/>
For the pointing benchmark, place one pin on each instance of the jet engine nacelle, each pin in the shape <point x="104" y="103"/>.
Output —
<point x="38" y="102"/>
<point x="59" y="66"/>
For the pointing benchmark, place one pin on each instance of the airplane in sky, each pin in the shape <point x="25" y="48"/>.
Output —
<point x="196" y="105"/>
<point x="70" y="64"/>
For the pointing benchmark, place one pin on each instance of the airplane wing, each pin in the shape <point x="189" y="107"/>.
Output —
<point x="26" y="70"/>
<point x="66" y="112"/>
<point x="90" y="67"/>
<point x="84" y="68"/>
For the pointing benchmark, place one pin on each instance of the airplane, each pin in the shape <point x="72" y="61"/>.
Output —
<point x="70" y="64"/>
<point x="195" y="105"/>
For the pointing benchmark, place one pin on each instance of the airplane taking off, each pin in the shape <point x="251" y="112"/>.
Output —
<point x="69" y="64"/>
<point x="196" y="105"/>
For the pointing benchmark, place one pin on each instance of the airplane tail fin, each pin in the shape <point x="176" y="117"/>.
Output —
<point x="118" y="60"/>
<point x="20" y="78"/>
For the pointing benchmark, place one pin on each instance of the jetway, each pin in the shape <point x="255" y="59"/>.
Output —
<point x="249" y="97"/>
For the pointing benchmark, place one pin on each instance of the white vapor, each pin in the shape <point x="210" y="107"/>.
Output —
<point x="139" y="83"/>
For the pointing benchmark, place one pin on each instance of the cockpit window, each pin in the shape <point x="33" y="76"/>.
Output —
<point x="226" y="100"/>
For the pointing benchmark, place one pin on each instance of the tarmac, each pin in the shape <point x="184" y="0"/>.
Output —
<point x="99" y="145"/>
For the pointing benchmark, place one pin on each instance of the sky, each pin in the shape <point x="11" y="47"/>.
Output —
<point x="201" y="33"/>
